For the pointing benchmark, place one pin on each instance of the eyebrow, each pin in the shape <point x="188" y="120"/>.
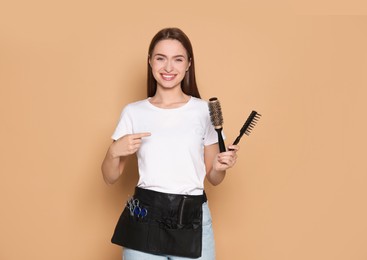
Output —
<point x="176" y="56"/>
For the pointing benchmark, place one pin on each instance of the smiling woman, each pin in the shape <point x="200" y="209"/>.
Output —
<point x="188" y="84"/>
<point x="169" y="64"/>
<point x="175" y="142"/>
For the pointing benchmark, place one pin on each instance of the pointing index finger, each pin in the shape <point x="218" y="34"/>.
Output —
<point x="141" y="135"/>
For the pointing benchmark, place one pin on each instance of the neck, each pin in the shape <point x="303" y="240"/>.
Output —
<point x="169" y="98"/>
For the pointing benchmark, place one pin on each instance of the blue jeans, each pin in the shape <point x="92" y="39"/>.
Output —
<point x="208" y="249"/>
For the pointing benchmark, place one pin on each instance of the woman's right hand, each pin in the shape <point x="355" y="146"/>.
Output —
<point x="127" y="145"/>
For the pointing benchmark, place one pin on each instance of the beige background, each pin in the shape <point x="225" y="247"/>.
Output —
<point x="68" y="67"/>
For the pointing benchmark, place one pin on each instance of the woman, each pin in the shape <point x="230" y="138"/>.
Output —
<point x="176" y="145"/>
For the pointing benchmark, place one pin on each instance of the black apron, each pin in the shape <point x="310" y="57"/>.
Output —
<point x="161" y="223"/>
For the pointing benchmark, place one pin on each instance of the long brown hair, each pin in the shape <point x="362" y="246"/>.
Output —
<point x="188" y="84"/>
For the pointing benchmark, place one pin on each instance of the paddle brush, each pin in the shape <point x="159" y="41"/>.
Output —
<point x="215" y="112"/>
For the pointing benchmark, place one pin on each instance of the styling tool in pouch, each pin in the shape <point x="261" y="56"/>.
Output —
<point x="185" y="210"/>
<point x="248" y="126"/>
<point x="216" y="117"/>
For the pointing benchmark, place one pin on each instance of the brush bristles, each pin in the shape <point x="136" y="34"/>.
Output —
<point x="215" y="112"/>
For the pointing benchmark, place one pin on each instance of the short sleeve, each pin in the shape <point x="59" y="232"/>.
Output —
<point x="124" y="125"/>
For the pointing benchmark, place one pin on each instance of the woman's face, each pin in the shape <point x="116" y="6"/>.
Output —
<point x="169" y="63"/>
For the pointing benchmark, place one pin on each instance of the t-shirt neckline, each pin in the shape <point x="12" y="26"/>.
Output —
<point x="169" y="109"/>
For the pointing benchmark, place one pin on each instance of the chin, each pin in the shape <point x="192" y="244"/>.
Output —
<point x="170" y="86"/>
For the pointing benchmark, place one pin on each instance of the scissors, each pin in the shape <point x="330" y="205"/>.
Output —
<point x="135" y="209"/>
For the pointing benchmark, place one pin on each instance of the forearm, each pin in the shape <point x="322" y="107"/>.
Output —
<point x="112" y="166"/>
<point x="114" y="162"/>
<point x="215" y="177"/>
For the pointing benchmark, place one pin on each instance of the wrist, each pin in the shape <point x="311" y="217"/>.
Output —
<point x="222" y="172"/>
<point x="219" y="169"/>
<point x="218" y="172"/>
<point x="111" y="151"/>
<point x="216" y="177"/>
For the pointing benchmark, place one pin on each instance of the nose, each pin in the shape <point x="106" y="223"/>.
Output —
<point x="168" y="66"/>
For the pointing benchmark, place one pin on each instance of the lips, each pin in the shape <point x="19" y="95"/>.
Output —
<point x="168" y="77"/>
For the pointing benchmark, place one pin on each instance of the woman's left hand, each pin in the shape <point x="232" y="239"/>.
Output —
<point x="226" y="160"/>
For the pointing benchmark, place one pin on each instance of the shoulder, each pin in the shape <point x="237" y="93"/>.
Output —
<point x="135" y="105"/>
<point x="138" y="103"/>
<point x="132" y="108"/>
<point x="199" y="102"/>
<point x="200" y="105"/>
<point x="200" y="108"/>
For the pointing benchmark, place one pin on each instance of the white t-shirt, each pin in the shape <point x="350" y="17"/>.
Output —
<point x="171" y="160"/>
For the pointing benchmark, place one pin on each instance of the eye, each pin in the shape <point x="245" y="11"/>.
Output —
<point x="179" y="60"/>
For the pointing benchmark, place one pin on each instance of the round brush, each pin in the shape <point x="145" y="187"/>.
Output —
<point x="216" y="117"/>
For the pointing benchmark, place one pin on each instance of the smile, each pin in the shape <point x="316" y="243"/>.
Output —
<point x="168" y="76"/>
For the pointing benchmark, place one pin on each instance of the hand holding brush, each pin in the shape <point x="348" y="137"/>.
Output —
<point x="216" y="117"/>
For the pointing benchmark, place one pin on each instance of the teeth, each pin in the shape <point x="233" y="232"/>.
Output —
<point x="168" y="76"/>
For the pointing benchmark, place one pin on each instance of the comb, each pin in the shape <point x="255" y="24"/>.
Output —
<point x="248" y="126"/>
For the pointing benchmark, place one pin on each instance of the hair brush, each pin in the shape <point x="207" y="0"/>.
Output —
<point x="216" y="117"/>
<point x="248" y="126"/>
